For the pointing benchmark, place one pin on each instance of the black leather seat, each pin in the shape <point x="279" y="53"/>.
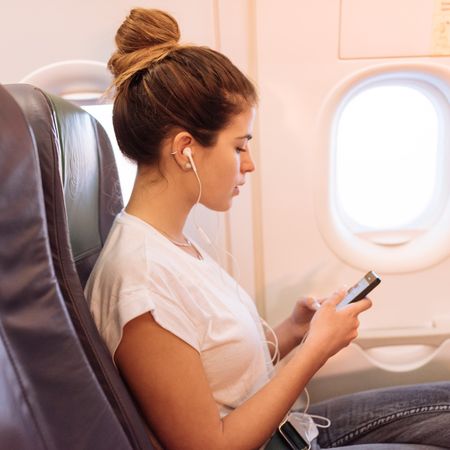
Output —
<point x="59" y="194"/>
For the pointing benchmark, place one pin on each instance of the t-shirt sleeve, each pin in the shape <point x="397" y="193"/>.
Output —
<point x="167" y="312"/>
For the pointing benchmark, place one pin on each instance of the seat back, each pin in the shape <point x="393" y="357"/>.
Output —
<point x="49" y="396"/>
<point x="81" y="195"/>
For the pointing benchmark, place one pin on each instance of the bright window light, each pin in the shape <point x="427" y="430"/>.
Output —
<point x="125" y="167"/>
<point x="387" y="158"/>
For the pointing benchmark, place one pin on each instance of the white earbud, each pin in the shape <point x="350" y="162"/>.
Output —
<point x="188" y="153"/>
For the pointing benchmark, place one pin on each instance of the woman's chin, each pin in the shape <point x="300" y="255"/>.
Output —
<point x="219" y="207"/>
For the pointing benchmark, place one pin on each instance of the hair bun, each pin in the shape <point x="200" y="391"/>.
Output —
<point x="146" y="35"/>
<point x="146" y="28"/>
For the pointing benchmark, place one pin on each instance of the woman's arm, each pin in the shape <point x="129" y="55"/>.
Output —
<point x="167" y="378"/>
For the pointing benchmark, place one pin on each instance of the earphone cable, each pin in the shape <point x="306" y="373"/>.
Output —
<point x="275" y="358"/>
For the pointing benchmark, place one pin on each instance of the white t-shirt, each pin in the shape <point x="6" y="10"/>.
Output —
<point x="140" y="270"/>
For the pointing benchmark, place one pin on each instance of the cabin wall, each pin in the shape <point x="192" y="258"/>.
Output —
<point x="39" y="33"/>
<point x="297" y="52"/>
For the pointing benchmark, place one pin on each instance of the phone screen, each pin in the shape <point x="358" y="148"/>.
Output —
<point x="292" y="437"/>
<point x="360" y="289"/>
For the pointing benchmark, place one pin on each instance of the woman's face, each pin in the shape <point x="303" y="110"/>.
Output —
<point x="223" y="167"/>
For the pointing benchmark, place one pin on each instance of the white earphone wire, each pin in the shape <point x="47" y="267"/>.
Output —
<point x="275" y="358"/>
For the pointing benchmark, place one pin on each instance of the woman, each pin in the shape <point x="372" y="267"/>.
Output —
<point x="188" y="341"/>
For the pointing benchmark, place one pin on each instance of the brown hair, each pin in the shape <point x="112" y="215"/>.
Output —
<point x="162" y="86"/>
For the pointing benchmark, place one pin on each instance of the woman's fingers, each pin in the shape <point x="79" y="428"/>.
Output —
<point x="359" y="306"/>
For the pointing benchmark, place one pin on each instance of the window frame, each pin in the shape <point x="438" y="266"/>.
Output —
<point x="71" y="77"/>
<point x="418" y="247"/>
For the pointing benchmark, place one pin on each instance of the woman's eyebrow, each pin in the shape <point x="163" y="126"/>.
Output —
<point x="247" y="136"/>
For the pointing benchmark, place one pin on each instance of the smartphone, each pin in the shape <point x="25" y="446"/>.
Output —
<point x="292" y="437"/>
<point x="360" y="289"/>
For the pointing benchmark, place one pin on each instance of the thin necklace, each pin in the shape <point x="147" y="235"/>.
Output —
<point x="185" y="244"/>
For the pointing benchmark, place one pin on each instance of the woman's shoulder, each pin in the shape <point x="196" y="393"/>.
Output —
<point x="130" y="239"/>
<point x="134" y="252"/>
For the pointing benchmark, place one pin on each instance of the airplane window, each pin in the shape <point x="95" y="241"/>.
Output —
<point x="126" y="168"/>
<point x="387" y="162"/>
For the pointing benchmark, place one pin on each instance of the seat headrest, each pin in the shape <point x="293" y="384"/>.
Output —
<point x="75" y="151"/>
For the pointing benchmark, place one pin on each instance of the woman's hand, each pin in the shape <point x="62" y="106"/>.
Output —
<point x="290" y="332"/>
<point x="303" y="312"/>
<point x="331" y="330"/>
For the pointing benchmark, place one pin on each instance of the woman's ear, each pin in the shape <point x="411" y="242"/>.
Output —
<point x="182" y="141"/>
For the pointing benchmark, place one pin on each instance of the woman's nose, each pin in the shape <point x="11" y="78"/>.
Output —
<point x="247" y="164"/>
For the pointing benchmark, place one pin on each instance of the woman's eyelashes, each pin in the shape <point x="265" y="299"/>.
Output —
<point x="240" y="149"/>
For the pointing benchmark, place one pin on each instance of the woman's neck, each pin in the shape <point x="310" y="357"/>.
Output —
<point x="159" y="204"/>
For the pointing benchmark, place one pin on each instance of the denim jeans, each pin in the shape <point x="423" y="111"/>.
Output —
<point x="415" y="417"/>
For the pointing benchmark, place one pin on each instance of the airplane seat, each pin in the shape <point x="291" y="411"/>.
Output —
<point x="60" y="194"/>
<point x="77" y="154"/>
